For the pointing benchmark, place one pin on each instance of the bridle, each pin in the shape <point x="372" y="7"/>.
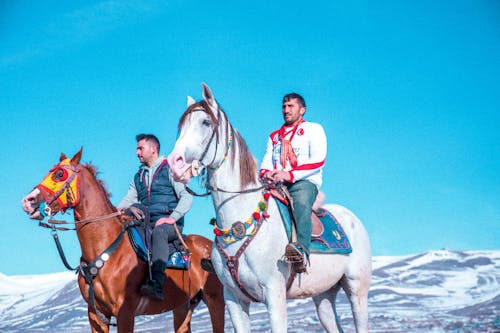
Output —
<point x="209" y="143"/>
<point x="70" y="188"/>
<point x="196" y="166"/>
<point x="72" y="196"/>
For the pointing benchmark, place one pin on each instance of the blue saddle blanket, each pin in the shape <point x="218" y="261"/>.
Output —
<point x="178" y="258"/>
<point x="332" y="240"/>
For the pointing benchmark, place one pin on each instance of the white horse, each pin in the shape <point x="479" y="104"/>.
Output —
<point x="250" y="236"/>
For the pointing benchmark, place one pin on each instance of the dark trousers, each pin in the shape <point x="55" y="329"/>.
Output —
<point x="161" y="237"/>
<point x="304" y="194"/>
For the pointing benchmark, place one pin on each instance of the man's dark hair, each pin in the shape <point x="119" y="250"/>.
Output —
<point x="149" y="137"/>
<point x="293" y="95"/>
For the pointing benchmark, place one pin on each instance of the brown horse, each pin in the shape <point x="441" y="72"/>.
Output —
<point x="111" y="286"/>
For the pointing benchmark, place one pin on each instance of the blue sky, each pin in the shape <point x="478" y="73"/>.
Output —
<point x="407" y="92"/>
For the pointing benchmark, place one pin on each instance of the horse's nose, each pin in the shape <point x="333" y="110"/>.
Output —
<point x="29" y="201"/>
<point x="178" y="161"/>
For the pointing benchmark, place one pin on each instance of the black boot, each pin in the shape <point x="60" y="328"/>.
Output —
<point x="153" y="288"/>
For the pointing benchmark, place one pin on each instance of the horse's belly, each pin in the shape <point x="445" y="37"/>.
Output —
<point x="324" y="272"/>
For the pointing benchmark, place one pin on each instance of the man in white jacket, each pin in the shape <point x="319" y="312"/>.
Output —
<point x="295" y="155"/>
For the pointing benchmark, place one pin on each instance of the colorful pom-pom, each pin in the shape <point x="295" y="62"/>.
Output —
<point x="256" y="216"/>
<point x="217" y="232"/>
<point x="267" y="195"/>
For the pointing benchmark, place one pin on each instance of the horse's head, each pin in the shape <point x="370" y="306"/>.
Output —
<point x="57" y="191"/>
<point x="199" y="136"/>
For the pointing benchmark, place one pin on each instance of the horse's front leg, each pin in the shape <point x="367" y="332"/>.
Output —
<point x="239" y="311"/>
<point x="276" y="307"/>
<point x="99" y="323"/>
<point x="125" y="319"/>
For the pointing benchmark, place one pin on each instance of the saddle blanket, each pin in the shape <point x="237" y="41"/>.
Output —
<point x="332" y="240"/>
<point x="178" y="258"/>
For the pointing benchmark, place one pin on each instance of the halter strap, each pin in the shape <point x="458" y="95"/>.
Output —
<point x="205" y="151"/>
<point x="66" y="185"/>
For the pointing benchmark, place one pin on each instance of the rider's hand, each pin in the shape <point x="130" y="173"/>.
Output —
<point x="267" y="178"/>
<point x="164" y="220"/>
<point x="280" y="175"/>
<point x="133" y="212"/>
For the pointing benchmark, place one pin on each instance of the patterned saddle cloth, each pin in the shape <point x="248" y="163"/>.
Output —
<point x="178" y="259"/>
<point x="328" y="235"/>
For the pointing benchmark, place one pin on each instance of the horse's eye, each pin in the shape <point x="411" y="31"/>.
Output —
<point x="206" y="122"/>
<point x="60" y="175"/>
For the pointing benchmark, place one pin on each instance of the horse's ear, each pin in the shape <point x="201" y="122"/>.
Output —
<point x="190" y="101"/>
<point x="62" y="157"/>
<point x="209" y="97"/>
<point x="75" y="160"/>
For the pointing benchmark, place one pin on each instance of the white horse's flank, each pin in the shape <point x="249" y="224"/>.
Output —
<point x="262" y="271"/>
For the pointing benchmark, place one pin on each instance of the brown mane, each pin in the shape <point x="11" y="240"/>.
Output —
<point x="248" y="166"/>
<point x="94" y="172"/>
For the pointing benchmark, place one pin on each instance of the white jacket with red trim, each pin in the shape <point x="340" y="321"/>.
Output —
<point x="309" y="145"/>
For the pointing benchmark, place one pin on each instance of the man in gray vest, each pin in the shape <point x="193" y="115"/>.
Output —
<point x="167" y="202"/>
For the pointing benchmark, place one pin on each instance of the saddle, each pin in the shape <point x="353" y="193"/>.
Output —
<point x="327" y="234"/>
<point x="140" y="239"/>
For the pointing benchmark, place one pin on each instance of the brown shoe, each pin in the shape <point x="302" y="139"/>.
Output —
<point x="295" y="256"/>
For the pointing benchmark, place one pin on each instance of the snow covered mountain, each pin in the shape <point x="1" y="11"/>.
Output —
<point x="437" y="291"/>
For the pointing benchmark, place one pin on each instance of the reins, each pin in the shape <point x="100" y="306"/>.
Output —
<point x="88" y="270"/>
<point x="51" y="224"/>
<point x="218" y="189"/>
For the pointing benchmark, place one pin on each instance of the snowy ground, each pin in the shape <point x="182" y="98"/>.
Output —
<point x="437" y="291"/>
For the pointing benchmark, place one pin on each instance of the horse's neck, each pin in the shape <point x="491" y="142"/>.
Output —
<point x="94" y="237"/>
<point x="232" y="207"/>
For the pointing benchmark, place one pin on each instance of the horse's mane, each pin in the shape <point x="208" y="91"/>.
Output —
<point x="94" y="172"/>
<point x="248" y="166"/>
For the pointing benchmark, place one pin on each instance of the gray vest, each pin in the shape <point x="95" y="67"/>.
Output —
<point x="160" y="198"/>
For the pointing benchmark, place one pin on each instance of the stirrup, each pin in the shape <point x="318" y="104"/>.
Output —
<point x="295" y="256"/>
